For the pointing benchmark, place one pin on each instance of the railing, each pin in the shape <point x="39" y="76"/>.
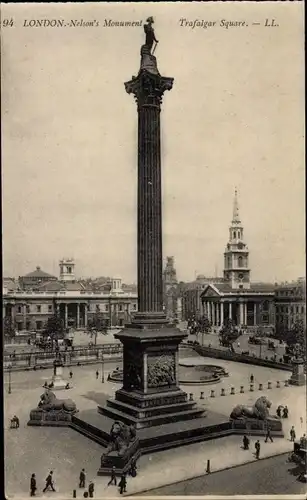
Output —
<point x="72" y="356"/>
<point x="241" y="358"/>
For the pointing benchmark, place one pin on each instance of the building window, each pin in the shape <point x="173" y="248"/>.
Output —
<point x="19" y="309"/>
<point x="240" y="261"/>
<point x="28" y="325"/>
<point x="49" y="308"/>
<point x="28" y="309"/>
<point x="107" y="307"/>
<point x="39" y="325"/>
<point x="120" y="307"/>
<point x="134" y="307"/>
<point x="38" y="309"/>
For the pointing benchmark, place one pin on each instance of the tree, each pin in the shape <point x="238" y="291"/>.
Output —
<point x="204" y="324"/>
<point x="54" y="327"/>
<point x="295" y="336"/>
<point x="9" y="327"/>
<point x="228" y="334"/>
<point x="97" y="323"/>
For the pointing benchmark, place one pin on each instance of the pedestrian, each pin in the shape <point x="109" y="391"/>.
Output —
<point x="133" y="469"/>
<point x="97" y="374"/>
<point x="268" y="435"/>
<point x="16" y="420"/>
<point x="245" y="442"/>
<point x="302" y="421"/>
<point x="257" y="448"/>
<point x="292" y="433"/>
<point x="82" y="479"/>
<point x="33" y="485"/>
<point x="251" y="379"/>
<point x="285" y="412"/>
<point x="85" y="494"/>
<point x="278" y="411"/>
<point x="238" y="345"/>
<point x="122" y="484"/>
<point x="49" y="482"/>
<point x="91" y="488"/>
<point x="70" y="374"/>
<point x="113" y="477"/>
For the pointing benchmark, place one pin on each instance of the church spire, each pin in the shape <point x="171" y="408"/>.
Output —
<point x="235" y="214"/>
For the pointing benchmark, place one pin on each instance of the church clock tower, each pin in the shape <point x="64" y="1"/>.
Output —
<point x="236" y="265"/>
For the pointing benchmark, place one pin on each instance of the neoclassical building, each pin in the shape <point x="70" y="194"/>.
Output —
<point x="236" y="297"/>
<point x="32" y="299"/>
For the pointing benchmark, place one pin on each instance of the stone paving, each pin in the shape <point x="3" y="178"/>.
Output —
<point x="37" y="449"/>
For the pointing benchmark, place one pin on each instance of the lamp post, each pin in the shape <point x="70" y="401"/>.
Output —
<point x="102" y="369"/>
<point x="10" y="372"/>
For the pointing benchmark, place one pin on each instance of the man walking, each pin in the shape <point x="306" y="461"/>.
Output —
<point x="49" y="482"/>
<point x="251" y="379"/>
<point x="268" y="435"/>
<point x="113" y="479"/>
<point x="257" y="448"/>
<point x="122" y="484"/>
<point x="82" y="479"/>
<point x="245" y="442"/>
<point x="32" y="485"/>
<point x="97" y="374"/>
<point x="70" y="374"/>
<point x="91" y="488"/>
<point x="292" y="433"/>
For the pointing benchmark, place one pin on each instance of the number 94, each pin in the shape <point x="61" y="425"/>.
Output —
<point x="7" y="23"/>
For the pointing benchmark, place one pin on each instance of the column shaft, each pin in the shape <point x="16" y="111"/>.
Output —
<point x="222" y="313"/>
<point x="78" y="315"/>
<point x="150" y="287"/>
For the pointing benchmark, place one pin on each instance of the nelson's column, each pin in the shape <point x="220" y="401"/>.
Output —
<point x="150" y="397"/>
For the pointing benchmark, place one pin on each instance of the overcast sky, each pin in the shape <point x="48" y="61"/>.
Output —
<point x="233" y="118"/>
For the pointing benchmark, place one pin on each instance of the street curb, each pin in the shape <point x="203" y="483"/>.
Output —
<point x="139" y="493"/>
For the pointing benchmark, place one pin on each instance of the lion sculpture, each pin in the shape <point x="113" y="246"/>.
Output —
<point x="49" y="402"/>
<point x="259" y="411"/>
<point x="121" y="436"/>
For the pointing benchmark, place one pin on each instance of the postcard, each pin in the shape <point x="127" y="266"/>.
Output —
<point x="154" y="313"/>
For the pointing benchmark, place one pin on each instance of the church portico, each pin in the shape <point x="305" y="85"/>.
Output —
<point x="244" y="311"/>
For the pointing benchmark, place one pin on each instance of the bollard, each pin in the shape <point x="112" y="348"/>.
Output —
<point x="201" y="395"/>
<point x="208" y="467"/>
<point x="74" y="493"/>
<point x="251" y="387"/>
<point x="277" y="384"/>
<point x="212" y="395"/>
<point x="260" y="387"/>
<point x="242" y="389"/>
<point x="222" y="391"/>
<point x="269" y="385"/>
<point x="191" y="396"/>
<point x="286" y="383"/>
<point x="232" y="391"/>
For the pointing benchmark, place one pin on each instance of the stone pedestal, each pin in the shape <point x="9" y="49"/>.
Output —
<point x="298" y="376"/>
<point x="57" y="378"/>
<point x="150" y="395"/>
